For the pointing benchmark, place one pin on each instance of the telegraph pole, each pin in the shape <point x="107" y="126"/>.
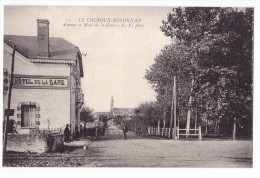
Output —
<point x="174" y="98"/>
<point x="9" y="100"/>
<point x="173" y="109"/>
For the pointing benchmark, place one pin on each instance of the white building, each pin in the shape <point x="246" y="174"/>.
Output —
<point x="47" y="80"/>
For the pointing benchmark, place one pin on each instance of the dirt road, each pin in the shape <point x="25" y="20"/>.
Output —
<point x="113" y="151"/>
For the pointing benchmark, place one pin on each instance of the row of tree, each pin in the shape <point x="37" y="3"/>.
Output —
<point x="211" y="56"/>
<point x="86" y="115"/>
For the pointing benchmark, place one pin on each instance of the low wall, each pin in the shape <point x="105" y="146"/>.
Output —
<point x="58" y="142"/>
<point x="38" y="143"/>
<point x="25" y="143"/>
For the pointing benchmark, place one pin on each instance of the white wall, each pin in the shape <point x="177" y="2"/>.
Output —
<point x="55" y="104"/>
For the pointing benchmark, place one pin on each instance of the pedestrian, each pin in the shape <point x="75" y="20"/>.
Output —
<point x="125" y="129"/>
<point x="97" y="132"/>
<point x="67" y="134"/>
<point x="81" y="130"/>
<point x="77" y="134"/>
<point x="85" y="131"/>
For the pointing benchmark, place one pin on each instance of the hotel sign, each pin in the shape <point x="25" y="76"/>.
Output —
<point x="40" y="82"/>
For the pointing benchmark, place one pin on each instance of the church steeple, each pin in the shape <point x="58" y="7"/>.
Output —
<point x="112" y="105"/>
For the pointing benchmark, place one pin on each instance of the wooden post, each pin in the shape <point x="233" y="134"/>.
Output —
<point x="200" y="136"/>
<point x="178" y="133"/>
<point x="189" y="110"/>
<point x="234" y="129"/>
<point x="164" y="122"/>
<point x="9" y="100"/>
<point x="206" y="129"/>
<point x="196" y="117"/>
<point x="174" y="98"/>
<point x="172" y="108"/>
<point x="158" y="132"/>
<point x="164" y="131"/>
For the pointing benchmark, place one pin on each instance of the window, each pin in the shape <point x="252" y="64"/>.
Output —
<point x="28" y="115"/>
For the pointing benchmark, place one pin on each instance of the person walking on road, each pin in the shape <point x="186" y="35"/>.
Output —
<point x="125" y="129"/>
<point x="97" y="132"/>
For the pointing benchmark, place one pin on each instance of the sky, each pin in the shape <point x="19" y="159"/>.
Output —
<point x="117" y="57"/>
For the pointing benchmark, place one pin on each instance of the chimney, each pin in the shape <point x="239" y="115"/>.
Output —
<point x="43" y="38"/>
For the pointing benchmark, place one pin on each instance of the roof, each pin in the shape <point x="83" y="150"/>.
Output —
<point x="59" y="49"/>
<point x="124" y="111"/>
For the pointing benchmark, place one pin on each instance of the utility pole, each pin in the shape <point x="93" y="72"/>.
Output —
<point x="175" y="103"/>
<point x="196" y="117"/>
<point x="9" y="99"/>
<point x="173" y="109"/>
<point x="234" y="129"/>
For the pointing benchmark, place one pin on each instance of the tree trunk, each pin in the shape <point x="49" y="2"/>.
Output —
<point x="215" y="126"/>
<point x="189" y="110"/>
<point x="196" y="117"/>
<point x="206" y="129"/>
<point x="234" y="129"/>
<point x="158" y="127"/>
<point x="218" y="124"/>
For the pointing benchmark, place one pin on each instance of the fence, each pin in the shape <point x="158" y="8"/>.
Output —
<point x="167" y="133"/>
<point x="164" y="132"/>
<point x="51" y="130"/>
<point x="190" y="132"/>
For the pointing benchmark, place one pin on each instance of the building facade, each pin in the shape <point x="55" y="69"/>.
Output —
<point x="46" y="82"/>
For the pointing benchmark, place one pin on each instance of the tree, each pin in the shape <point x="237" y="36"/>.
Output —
<point x="86" y="115"/>
<point x="174" y="60"/>
<point x="149" y="112"/>
<point x="212" y="60"/>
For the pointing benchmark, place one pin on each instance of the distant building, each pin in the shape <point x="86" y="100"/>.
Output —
<point x="47" y="80"/>
<point x="125" y="113"/>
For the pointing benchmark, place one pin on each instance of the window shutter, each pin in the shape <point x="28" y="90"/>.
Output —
<point x="19" y="116"/>
<point x="5" y="72"/>
<point x="37" y="115"/>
